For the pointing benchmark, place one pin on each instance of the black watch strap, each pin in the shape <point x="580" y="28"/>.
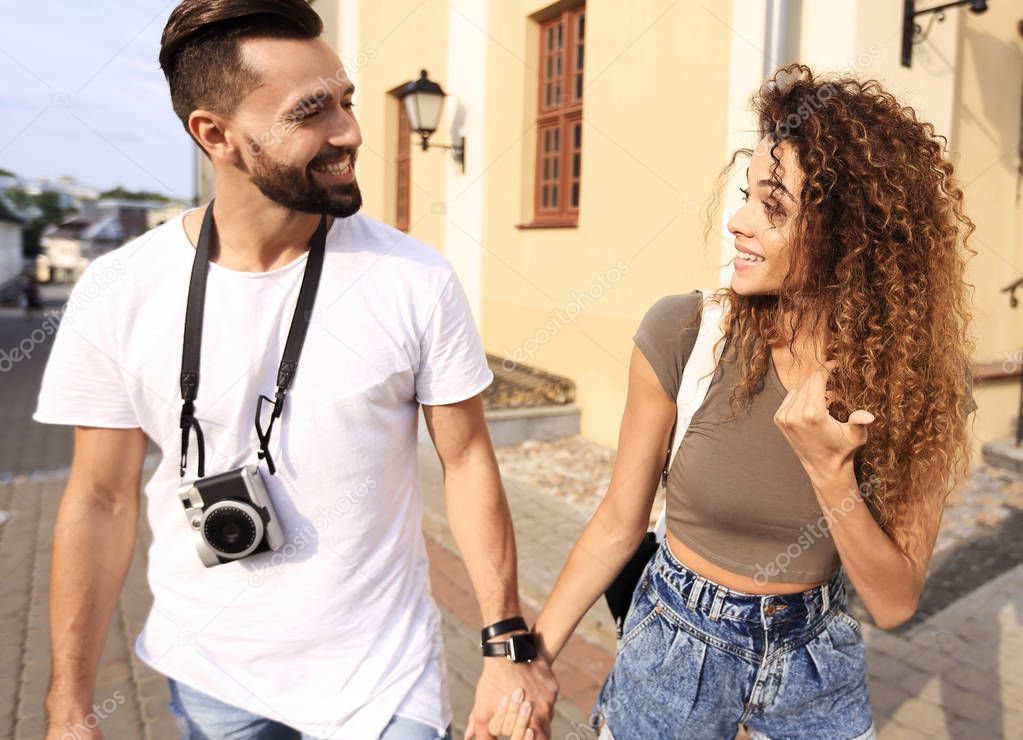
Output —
<point x="495" y="649"/>
<point x="499" y="628"/>
<point x="518" y="648"/>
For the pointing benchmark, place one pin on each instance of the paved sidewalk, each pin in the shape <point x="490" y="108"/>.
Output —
<point x="957" y="675"/>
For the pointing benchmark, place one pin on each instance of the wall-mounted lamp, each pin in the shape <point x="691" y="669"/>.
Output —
<point x="423" y="100"/>
<point x="912" y="33"/>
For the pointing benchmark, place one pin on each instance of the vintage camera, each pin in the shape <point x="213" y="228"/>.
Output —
<point x="231" y="515"/>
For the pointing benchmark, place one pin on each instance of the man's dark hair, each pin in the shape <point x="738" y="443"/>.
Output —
<point x="200" y="51"/>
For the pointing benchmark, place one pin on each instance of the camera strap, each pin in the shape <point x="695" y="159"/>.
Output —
<point x="193" y="340"/>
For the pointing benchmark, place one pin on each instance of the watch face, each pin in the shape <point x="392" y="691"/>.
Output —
<point x="522" y="648"/>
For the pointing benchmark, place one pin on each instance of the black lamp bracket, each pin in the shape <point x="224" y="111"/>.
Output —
<point x="457" y="149"/>
<point x="913" y="33"/>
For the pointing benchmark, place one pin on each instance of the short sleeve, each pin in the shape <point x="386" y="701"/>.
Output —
<point x="666" y="338"/>
<point x="452" y="363"/>
<point x="83" y="384"/>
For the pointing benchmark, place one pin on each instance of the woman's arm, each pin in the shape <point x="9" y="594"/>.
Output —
<point x="888" y="573"/>
<point x="619" y="523"/>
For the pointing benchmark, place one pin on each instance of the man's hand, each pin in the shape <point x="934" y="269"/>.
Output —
<point x="501" y="678"/>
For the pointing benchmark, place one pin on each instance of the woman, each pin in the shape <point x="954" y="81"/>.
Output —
<point x="833" y="430"/>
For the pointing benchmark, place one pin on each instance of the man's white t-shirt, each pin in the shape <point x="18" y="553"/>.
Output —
<point x="337" y="631"/>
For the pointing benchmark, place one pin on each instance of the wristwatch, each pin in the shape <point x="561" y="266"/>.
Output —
<point x="519" y="648"/>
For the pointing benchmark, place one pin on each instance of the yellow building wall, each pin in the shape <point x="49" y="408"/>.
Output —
<point x="987" y="139"/>
<point x="395" y="40"/>
<point x="966" y="78"/>
<point x="654" y="124"/>
<point x="658" y="92"/>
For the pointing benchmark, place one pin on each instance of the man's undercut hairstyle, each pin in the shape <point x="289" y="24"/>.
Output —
<point x="200" y="50"/>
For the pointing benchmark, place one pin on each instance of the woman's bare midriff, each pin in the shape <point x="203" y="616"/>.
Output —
<point x="728" y="579"/>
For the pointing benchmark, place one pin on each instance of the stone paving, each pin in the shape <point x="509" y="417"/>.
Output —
<point x="958" y="673"/>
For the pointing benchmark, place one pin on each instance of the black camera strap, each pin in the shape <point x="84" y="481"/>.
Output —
<point x="193" y="340"/>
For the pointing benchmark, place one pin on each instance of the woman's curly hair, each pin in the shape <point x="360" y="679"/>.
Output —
<point x="878" y="251"/>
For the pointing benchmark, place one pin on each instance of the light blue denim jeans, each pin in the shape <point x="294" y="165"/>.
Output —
<point x="696" y="659"/>
<point x="199" y="716"/>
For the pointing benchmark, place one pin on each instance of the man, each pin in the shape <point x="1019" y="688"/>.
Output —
<point x="334" y="633"/>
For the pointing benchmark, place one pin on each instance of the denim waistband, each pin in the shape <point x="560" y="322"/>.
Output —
<point x="693" y="591"/>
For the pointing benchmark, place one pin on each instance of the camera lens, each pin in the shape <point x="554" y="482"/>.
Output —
<point x="231" y="529"/>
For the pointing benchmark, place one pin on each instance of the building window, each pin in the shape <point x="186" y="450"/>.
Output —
<point x="559" y="119"/>
<point x="404" y="179"/>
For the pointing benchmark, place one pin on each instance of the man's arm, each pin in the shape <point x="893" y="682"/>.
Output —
<point x="93" y="542"/>
<point x="477" y="509"/>
<point x="481" y="524"/>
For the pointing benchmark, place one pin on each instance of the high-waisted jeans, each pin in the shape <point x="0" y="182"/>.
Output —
<point x="697" y="659"/>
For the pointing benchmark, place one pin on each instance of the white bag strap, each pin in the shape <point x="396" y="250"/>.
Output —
<point x="696" y="377"/>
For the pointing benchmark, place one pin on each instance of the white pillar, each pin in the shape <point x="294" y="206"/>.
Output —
<point x="348" y="38"/>
<point x="748" y="61"/>
<point x="463" y="113"/>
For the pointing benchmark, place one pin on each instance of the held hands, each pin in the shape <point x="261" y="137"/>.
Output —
<point x="823" y="444"/>
<point x="496" y="714"/>
<point x="512" y="718"/>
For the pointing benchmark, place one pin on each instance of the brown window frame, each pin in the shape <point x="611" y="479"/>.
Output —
<point x="559" y="118"/>
<point x="403" y="169"/>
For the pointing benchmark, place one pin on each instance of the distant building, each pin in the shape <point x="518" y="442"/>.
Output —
<point x="157" y="216"/>
<point x="101" y="226"/>
<point x="72" y="194"/>
<point x="68" y="248"/>
<point x="11" y="258"/>
<point x="131" y="214"/>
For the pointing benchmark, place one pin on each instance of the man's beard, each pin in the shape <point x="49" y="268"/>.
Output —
<point x="296" y="188"/>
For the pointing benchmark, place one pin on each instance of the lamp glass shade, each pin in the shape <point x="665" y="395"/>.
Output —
<point x="423" y="110"/>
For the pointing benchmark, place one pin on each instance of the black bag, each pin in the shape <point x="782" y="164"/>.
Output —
<point x="619" y="593"/>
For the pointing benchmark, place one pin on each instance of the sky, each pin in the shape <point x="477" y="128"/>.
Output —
<point x="82" y="94"/>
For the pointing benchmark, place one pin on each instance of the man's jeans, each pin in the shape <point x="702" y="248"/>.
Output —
<point x="201" y="717"/>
